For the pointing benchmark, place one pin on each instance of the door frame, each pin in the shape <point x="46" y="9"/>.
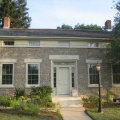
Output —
<point x="56" y="91"/>
<point x="58" y="78"/>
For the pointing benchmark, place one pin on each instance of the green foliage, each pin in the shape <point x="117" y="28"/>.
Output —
<point x="42" y="91"/>
<point x="108" y="96"/>
<point x="58" y="113"/>
<point x="81" y="27"/>
<point x="4" y="101"/>
<point x="113" y="52"/>
<point x="33" y="108"/>
<point x="17" y="11"/>
<point x="87" y="27"/>
<point x="91" y="99"/>
<point x="19" y="92"/>
<point x="42" y="96"/>
<point x="64" y="26"/>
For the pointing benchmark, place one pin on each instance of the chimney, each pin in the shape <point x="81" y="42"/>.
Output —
<point x="6" y="22"/>
<point x="108" y="25"/>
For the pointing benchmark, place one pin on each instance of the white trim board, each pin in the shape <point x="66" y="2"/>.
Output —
<point x="64" y="57"/>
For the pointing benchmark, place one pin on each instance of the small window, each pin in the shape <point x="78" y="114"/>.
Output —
<point x="93" y="44"/>
<point x="64" y="43"/>
<point x="10" y="43"/>
<point x="34" y="43"/>
<point x="93" y="74"/>
<point x="33" y="74"/>
<point x="7" y="74"/>
<point x="116" y="74"/>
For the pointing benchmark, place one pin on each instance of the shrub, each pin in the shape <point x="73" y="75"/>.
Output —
<point x="91" y="99"/>
<point x="4" y="101"/>
<point x="108" y="96"/>
<point x="42" y="96"/>
<point x="42" y="91"/>
<point x="33" y="108"/>
<point x="19" y="92"/>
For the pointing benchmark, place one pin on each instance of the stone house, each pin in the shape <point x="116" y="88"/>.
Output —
<point x="62" y="59"/>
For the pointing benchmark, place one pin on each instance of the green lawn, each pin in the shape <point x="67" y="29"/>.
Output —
<point x="108" y="114"/>
<point x="11" y="115"/>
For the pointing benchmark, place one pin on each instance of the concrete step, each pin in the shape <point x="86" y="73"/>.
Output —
<point x="68" y="101"/>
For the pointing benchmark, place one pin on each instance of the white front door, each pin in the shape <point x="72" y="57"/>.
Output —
<point x="64" y="81"/>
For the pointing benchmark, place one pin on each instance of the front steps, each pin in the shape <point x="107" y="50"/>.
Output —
<point x="68" y="101"/>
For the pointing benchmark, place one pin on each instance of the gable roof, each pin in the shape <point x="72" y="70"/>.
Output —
<point x="54" y="33"/>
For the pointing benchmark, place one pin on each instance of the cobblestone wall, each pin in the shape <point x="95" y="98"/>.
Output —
<point x="45" y="67"/>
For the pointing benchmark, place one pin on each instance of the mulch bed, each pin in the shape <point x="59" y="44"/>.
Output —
<point x="104" y="105"/>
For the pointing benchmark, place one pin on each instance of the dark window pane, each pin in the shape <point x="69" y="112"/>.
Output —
<point x="93" y="74"/>
<point x="116" y="74"/>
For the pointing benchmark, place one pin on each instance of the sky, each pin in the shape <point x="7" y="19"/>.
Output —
<point x="53" y="13"/>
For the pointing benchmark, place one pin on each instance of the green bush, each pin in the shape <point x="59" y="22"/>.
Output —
<point x="19" y="92"/>
<point x="91" y="99"/>
<point x="108" y="96"/>
<point x="33" y="108"/>
<point x="4" y="101"/>
<point x="42" y="96"/>
<point x="42" y="91"/>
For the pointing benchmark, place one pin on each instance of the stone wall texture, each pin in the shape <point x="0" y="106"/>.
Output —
<point x="45" y="67"/>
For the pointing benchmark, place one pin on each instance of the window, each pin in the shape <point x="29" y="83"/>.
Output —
<point x="64" y="43"/>
<point x="92" y="44"/>
<point x="93" y="74"/>
<point x="54" y="76"/>
<point x="34" y="43"/>
<point x="116" y="74"/>
<point x="7" y="74"/>
<point x="73" y="77"/>
<point x="9" y="43"/>
<point x="33" y="74"/>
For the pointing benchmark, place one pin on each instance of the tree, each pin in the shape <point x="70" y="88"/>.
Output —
<point x="65" y="27"/>
<point x="87" y="27"/>
<point x="17" y="11"/>
<point x="113" y="50"/>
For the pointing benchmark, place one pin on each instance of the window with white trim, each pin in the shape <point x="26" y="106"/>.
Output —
<point x="34" y="43"/>
<point x="93" y="74"/>
<point x="33" y="74"/>
<point x="64" y="43"/>
<point x="93" y="44"/>
<point x="8" y="43"/>
<point x="7" y="74"/>
<point x="116" y="74"/>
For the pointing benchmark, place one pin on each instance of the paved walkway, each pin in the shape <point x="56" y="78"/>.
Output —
<point x="71" y="108"/>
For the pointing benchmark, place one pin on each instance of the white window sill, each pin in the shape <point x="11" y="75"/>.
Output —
<point x="7" y="86"/>
<point x="94" y="85"/>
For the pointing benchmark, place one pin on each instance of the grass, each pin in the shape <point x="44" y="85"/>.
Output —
<point x="13" y="115"/>
<point x="108" y="114"/>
